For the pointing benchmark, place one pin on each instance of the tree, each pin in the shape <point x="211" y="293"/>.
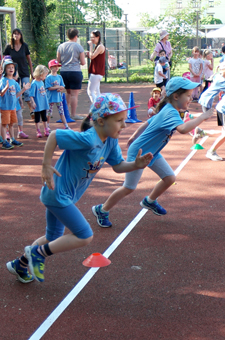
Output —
<point x="207" y="20"/>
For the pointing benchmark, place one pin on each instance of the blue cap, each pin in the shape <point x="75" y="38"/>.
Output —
<point x="108" y="104"/>
<point x="177" y="83"/>
<point x="8" y="62"/>
<point x="162" y="60"/>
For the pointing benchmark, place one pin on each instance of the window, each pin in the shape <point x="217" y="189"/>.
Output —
<point x="211" y="3"/>
<point x="196" y="3"/>
<point x="179" y="3"/>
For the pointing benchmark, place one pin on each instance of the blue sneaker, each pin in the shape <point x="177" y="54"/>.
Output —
<point x="36" y="262"/>
<point x="6" y="145"/>
<point x="154" y="207"/>
<point x="16" y="143"/>
<point x="22" y="273"/>
<point x="102" y="217"/>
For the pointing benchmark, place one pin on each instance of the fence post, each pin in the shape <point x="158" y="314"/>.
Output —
<point x="106" y="54"/>
<point x="126" y="48"/>
<point x="87" y="39"/>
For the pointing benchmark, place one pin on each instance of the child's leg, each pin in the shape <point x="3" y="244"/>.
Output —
<point x="4" y="129"/>
<point x="11" y="131"/>
<point x="21" y="134"/>
<point x="44" y="121"/>
<point x="49" y="113"/>
<point x="61" y="113"/>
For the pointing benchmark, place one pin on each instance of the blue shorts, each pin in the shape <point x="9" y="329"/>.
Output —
<point x="26" y="93"/>
<point x="72" y="80"/>
<point x="71" y="217"/>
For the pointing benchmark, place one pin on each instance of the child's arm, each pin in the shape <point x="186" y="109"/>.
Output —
<point x="137" y="133"/>
<point x="200" y="70"/>
<point x="47" y="169"/>
<point x="5" y="88"/>
<point x="32" y="103"/>
<point x="191" y="70"/>
<point x="191" y="124"/>
<point x="162" y="75"/>
<point x="139" y="163"/>
<point x="25" y="87"/>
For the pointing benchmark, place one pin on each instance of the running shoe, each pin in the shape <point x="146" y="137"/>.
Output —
<point x="16" y="143"/>
<point x="36" y="262"/>
<point x="102" y="217"/>
<point x="39" y="135"/>
<point x="22" y="273"/>
<point x="155" y="207"/>
<point x="6" y="145"/>
<point x="47" y="132"/>
<point x="213" y="156"/>
<point x="22" y="135"/>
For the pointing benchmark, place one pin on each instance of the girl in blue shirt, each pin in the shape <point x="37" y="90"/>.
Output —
<point x="54" y="85"/>
<point x="38" y="99"/>
<point x="153" y="136"/>
<point x="63" y="185"/>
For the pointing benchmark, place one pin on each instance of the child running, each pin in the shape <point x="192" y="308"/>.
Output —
<point x="206" y="100"/>
<point x="38" y="99"/>
<point x="152" y="136"/>
<point x="153" y="101"/>
<point x="10" y="91"/>
<point x="54" y="85"/>
<point x="84" y="155"/>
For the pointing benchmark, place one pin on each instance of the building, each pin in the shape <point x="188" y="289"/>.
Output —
<point x="215" y="9"/>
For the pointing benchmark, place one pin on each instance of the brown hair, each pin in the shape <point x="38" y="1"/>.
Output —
<point x="13" y="41"/>
<point x="167" y="100"/>
<point x="195" y="49"/>
<point x="97" y="34"/>
<point x="72" y="33"/>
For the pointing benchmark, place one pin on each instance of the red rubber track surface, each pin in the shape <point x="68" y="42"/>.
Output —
<point x="166" y="279"/>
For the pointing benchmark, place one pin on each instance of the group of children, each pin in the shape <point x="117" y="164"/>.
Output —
<point x="42" y="98"/>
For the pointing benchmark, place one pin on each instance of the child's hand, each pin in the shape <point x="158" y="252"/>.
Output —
<point x="26" y="86"/>
<point x="208" y="113"/>
<point x="130" y="141"/>
<point x="90" y="42"/>
<point x="142" y="161"/>
<point x="47" y="175"/>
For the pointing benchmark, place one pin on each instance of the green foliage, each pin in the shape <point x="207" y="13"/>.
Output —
<point x="207" y="20"/>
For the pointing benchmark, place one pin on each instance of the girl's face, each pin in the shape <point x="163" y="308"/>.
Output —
<point x="209" y="56"/>
<point x="10" y="70"/>
<point x="114" y="124"/>
<point x="156" y="95"/>
<point x="195" y="54"/>
<point x="94" y="39"/>
<point x="184" y="100"/>
<point x="16" y="36"/>
<point x="43" y="76"/>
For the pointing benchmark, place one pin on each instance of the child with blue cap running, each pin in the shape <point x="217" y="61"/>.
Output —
<point x="63" y="185"/>
<point x="152" y="136"/>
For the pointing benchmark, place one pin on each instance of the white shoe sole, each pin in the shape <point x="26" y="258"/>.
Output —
<point x="94" y="213"/>
<point x="12" y="271"/>
<point x="215" y="160"/>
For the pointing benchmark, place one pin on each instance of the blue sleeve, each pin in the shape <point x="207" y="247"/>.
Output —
<point x="72" y="140"/>
<point x="47" y="82"/>
<point x="115" y="157"/>
<point x="32" y="90"/>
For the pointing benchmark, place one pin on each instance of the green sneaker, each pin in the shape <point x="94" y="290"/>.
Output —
<point x="36" y="262"/>
<point x="22" y="273"/>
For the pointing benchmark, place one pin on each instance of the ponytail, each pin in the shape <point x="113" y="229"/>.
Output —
<point x="161" y="104"/>
<point x="86" y="123"/>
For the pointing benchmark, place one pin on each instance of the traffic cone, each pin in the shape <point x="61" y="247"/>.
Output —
<point x="131" y="114"/>
<point x="66" y="110"/>
<point x="197" y="147"/>
<point x="96" y="260"/>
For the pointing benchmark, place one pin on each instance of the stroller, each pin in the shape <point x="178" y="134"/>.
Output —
<point x="112" y="61"/>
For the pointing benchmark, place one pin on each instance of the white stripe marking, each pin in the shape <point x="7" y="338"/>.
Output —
<point x="37" y="335"/>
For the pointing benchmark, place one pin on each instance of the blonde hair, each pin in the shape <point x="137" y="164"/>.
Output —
<point x="206" y="52"/>
<point x="40" y="70"/>
<point x="195" y="49"/>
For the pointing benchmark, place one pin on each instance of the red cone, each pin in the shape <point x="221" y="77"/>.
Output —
<point x="96" y="260"/>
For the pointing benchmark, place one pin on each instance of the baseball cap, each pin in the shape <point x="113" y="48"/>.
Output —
<point x="8" y="62"/>
<point x="162" y="60"/>
<point x="177" y="83"/>
<point x="53" y="62"/>
<point x="157" y="89"/>
<point x="108" y="104"/>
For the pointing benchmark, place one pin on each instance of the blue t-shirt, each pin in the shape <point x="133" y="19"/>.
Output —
<point x="222" y="59"/>
<point x="37" y="91"/>
<point x="221" y="105"/>
<point x="157" y="134"/>
<point x="18" y="107"/>
<point x="207" y="96"/>
<point x="84" y="154"/>
<point x="9" y="99"/>
<point x="53" y="95"/>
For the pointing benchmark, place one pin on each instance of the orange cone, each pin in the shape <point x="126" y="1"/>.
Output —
<point x="96" y="260"/>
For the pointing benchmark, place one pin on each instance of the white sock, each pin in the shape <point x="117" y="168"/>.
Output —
<point x="102" y="210"/>
<point x="149" y="200"/>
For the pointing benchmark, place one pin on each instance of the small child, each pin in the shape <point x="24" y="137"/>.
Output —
<point x="153" y="101"/>
<point x="158" y="74"/>
<point x="54" y="85"/>
<point x="10" y="91"/>
<point x="208" y="67"/>
<point x="83" y="156"/>
<point x="39" y="99"/>
<point x="195" y="67"/>
<point x="166" y="67"/>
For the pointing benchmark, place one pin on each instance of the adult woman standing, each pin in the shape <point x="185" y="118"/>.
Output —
<point x="165" y="45"/>
<point x="20" y="54"/>
<point x="97" y="65"/>
<point x="71" y="55"/>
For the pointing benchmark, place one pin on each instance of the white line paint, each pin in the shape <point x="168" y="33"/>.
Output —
<point x="38" y="334"/>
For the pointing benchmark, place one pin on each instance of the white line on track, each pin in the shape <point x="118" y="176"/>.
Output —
<point x="37" y="335"/>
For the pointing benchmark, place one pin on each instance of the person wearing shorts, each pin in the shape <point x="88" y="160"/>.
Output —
<point x="71" y="55"/>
